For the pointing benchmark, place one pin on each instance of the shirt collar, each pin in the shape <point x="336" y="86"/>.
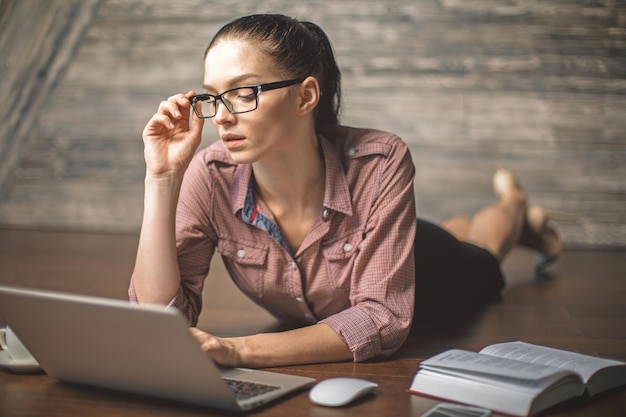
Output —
<point x="336" y="192"/>
<point x="239" y="189"/>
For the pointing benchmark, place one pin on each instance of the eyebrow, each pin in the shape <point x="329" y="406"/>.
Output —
<point x="237" y="81"/>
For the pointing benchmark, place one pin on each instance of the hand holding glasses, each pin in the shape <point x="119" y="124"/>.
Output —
<point x="236" y="100"/>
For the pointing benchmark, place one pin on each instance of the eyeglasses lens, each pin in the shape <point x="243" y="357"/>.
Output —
<point x="238" y="100"/>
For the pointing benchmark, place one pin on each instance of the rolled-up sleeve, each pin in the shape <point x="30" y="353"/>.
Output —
<point x="195" y="238"/>
<point x="195" y="241"/>
<point x="383" y="277"/>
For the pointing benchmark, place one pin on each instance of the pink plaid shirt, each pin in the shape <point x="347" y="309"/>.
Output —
<point x="355" y="268"/>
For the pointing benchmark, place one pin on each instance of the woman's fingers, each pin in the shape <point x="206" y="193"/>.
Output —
<point x="197" y="123"/>
<point x="220" y="350"/>
<point x="170" y="137"/>
<point x="161" y="119"/>
<point x="207" y="341"/>
<point x="176" y="106"/>
<point x="172" y="110"/>
<point x="173" y="106"/>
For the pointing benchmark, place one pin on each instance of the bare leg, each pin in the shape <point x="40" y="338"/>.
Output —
<point x="500" y="226"/>
<point x="497" y="227"/>
<point x="458" y="226"/>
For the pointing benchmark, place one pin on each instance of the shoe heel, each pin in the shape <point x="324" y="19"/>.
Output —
<point x="537" y="219"/>
<point x="561" y="216"/>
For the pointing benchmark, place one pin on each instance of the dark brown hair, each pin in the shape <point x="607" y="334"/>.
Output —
<point x="301" y="49"/>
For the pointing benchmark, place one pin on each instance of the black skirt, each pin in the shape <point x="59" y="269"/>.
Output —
<point x="453" y="279"/>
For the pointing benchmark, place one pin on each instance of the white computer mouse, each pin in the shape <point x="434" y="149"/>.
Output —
<point x="335" y="392"/>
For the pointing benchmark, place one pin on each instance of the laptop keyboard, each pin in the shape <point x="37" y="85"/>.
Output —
<point x="244" y="389"/>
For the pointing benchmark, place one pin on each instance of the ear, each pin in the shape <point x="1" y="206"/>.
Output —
<point x="308" y="95"/>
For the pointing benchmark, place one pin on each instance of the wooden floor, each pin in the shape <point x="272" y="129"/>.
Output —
<point x="580" y="306"/>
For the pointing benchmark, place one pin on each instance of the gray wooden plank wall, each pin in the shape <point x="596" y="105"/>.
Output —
<point x="535" y="85"/>
<point x="37" y="40"/>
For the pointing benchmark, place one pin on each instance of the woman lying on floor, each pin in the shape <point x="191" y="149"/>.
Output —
<point x="315" y="221"/>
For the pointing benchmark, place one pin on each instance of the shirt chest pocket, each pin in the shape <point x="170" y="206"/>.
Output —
<point x="246" y="265"/>
<point x="340" y="256"/>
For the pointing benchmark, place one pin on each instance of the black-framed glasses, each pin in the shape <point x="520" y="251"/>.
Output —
<point x="236" y="100"/>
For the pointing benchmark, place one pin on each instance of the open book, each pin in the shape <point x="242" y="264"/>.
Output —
<point x="515" y="378"/>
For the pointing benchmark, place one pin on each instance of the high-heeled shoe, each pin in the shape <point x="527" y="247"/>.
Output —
<point x="505" y="184"/>
<point x="537" y="234"/>
<point x="545" y="239"/>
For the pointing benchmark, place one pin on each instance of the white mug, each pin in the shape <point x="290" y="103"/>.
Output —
<point x="13" y="346"/>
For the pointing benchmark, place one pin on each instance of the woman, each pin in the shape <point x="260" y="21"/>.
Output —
<point x="315" y="221"/>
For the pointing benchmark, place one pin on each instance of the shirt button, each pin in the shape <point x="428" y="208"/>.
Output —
<point x="325" y="214"/>
<point x="299" y="299"/>
<point x="351" y="152"/>
<point x="347" y="247"/>
<point x="294" y="266"/>
<point x="241" y="254"/>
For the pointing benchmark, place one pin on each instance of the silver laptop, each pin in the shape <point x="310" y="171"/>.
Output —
<point x="141" y="349"/>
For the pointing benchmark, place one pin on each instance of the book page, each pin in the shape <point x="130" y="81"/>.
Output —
<point x="461" y="360"/>
<point x="583" y="365"/>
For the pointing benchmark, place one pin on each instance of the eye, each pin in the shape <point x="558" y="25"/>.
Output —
<point x="207" y="98"/>
<point x="246" y="94"/>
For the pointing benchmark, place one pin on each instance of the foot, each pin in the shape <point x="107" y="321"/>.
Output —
<point x="506" y="186"/>
<point x="537" y="234"/>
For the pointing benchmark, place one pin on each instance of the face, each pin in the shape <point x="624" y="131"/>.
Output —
<point x="262" y="133"/>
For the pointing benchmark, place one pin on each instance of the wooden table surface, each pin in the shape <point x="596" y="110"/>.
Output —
<point x="544" y="313"/>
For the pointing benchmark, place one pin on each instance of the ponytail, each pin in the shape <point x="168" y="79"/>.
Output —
<point x="329" y="78"/>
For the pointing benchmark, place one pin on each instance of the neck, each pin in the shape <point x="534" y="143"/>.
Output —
<point x="294" y="178"/>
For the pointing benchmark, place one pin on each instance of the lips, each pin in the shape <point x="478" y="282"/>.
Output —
<point x="231" y="140"/>
<point x="229" y="137"/>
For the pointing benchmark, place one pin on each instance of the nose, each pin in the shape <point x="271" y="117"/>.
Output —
<point x="222" y="115"/>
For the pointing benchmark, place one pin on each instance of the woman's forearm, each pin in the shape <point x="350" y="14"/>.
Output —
<point x="313" y="344"/>
<point x="156" y="277"/>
